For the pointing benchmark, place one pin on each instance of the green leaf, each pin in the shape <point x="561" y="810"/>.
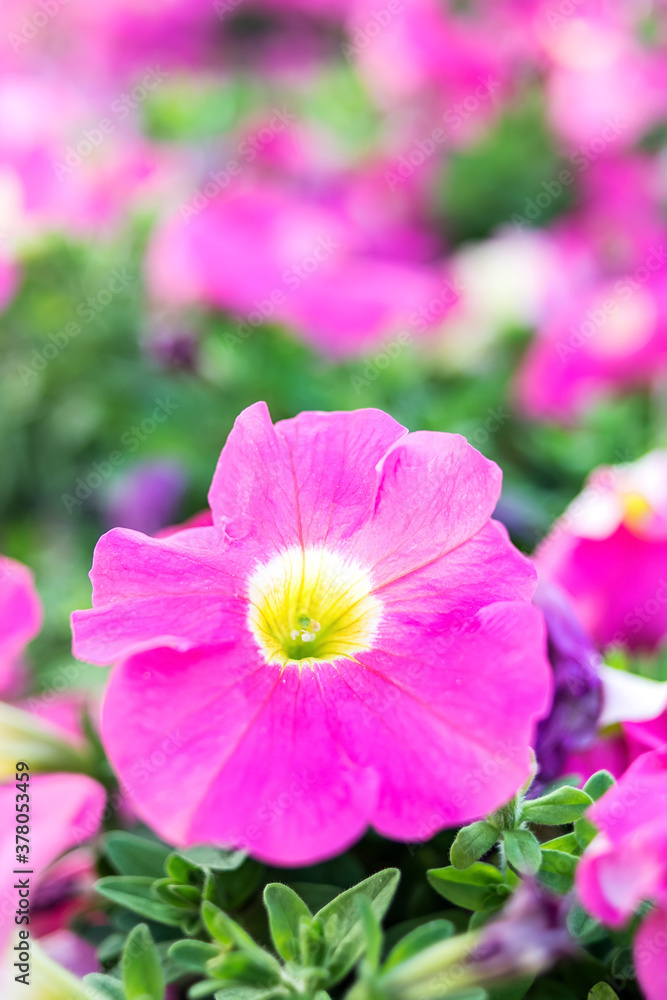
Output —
<point x="193" y="955"/>
<point x="142" y="972"/>
<point x="285" y="909"/>
<point x="228" y="932"/>
<point x="342" y="925"/>
<point x="372" y="932"/>
<point x="418" y="939"/>
<point x="214" y="858"/>
<point x="473" y="993"/>
<point x="109" y="950"/>
<point x="598" y="784"/>
<point x="241" y="991"/>
<point x="179" y="869"/>
<point x="513" y="991"/>
<point x="564" y="805"/>
<point x="557" y="870"/>
<point x="584" y="833"/>
<point x="243" y="968"/>
<point x="473" y="889"/>
<point x="134" y="893"/>
<point x="166" y="890"/>
<point x="471" y="843"/>
<point x="523" y="851"/>
<point x="580" y="923"/>
<point x="602" y="992"/>
<point x="204" y="988"/>
<point x="102" y="986"/>
<point x="567" y="843"/>
<point x="132" y="855"/>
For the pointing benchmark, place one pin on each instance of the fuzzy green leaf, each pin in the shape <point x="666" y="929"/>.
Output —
<point x="285" y="909"/>
<point x="478" y="887"/>
<point x="523" y="851"/>
<point x="103" y="987"/>
<point x="418" y="939"/>
<point x="557" y="870"/>
<point x="132" y="855"/>
<point x="602" y="992"/>
<point x="564" y="805"/>
<point x="140" y="965"/>
<point x="342" y="924"/>
<point x="134" y="892"/>
<point x="193" y="955"/>
<point x="598" y="784"/>
<point x="472" y="843"/>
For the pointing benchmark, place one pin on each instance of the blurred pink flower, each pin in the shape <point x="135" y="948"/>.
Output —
<point x="609" y="552"/>
<point x="66" y="810"/>
<point x="312" y="663"/>
<point x="606" y="328"/>
<point x="113" y="43"/>
<point x="70" y="159"/>
<point x="627" y="864"/>
<point x="456" y="68"/>
<point x="20" y="621"/>
<point x="604" y="88"/>
<point x="275" y="255"/>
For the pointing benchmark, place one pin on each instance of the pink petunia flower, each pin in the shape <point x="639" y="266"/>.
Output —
<point x="20" y="620"/>
<point x="351" y="642"/>
<point x="339" y="278"/>
<point x="604" y="330"/>
<point x="609" y="552"/>
<point x="627" y="864"/>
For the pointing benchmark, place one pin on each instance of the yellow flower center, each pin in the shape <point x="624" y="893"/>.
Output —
<point x="636" y="509"/>
<point x="311" y="604"/>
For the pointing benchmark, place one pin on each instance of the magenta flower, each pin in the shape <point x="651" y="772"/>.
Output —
<point x="609" y="552"/>
<point x="20" y="619"/>
<point x="627" y="864"/>
<point x="351" y="642"/>
<point x="269" y="254"/>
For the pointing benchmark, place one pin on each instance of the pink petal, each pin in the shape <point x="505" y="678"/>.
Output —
<point x="485" y="569"/>
<point x="147" y="592"/>
<point x="650" y="952"/>
<point x="435" y="491"/>
<point x="20" y="616"/>
<point x="227" y="750"/>
<point x="444" y="752"/>
<point x="639" y="798"/>
<point x="305" y="481"/>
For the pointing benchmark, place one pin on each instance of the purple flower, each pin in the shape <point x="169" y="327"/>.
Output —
<point x="577" y="701"/>
<point x="146" y="497"/>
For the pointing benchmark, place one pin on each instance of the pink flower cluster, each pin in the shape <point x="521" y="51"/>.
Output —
<point x="283" y="221"/>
